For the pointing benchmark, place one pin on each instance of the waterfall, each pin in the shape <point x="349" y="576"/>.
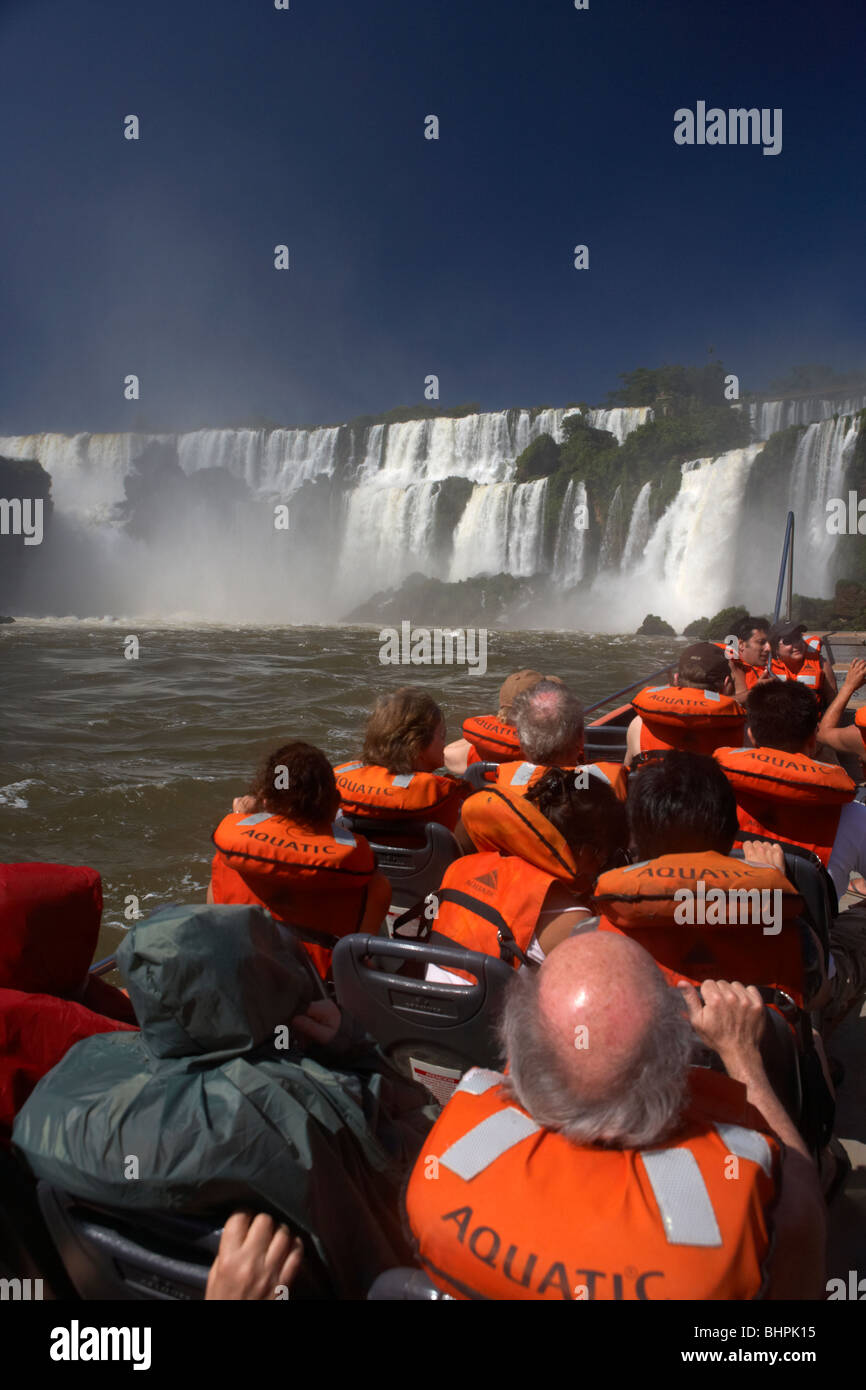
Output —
<point x="768" y="417"/>
<point x="369" y="505"/>
<point x="569" y="556"/>
<point x="501" y="530"/>
<point x="608" y="555"/>
<point x="639" y="528"/>
<point x="817" y="474"/>
<point x="620" y="421"/>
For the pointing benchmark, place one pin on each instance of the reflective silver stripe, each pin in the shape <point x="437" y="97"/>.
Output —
<point x="343" y="835"/>
<point x="402" y="779"/>
<point x="349" y="767"/>
<point x="712" y="695"/>
<point x="488" y="1141"/>
<point x="683" y="1200"/>
<point x="523" y="774"/>
<point x="477" y="1080"/>
<point x="747" y="1143"/>
<point x="595" y="771"/>
<point x="808" y="680"/>
<point x="256" y="819"/>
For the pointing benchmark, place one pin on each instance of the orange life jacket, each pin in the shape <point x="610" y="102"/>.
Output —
<point x="493" y="740"/>
<point x="517" y="777"/>
<point x="810" y="672"/>
<point x="368" y="790"/>
<point x="316" y="882"/>
<point x="693" y="721"/>
<point x="491" y="901"/>
<point x="640" y="901"/>
<point x="751" y="674"/>
<point x="787" y="796"/>
<point x="519" y="1212"/>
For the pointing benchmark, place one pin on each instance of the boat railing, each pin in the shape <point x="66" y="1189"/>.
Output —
<point x="786" y="567"/>
<point x="104" y="966"/>
<point x="626" y="689"/>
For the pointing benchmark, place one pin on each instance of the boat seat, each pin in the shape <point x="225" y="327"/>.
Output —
<point x="107" y="1255"/>
<point x="815" y="886"/>
<point x="405" y="1285"/>
<point x="431" y="1031"/>
<point x="480" y="775"/>
<point x="412" y="857"/>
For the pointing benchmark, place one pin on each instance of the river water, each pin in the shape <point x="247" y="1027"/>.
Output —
<point x="128" y="765"/>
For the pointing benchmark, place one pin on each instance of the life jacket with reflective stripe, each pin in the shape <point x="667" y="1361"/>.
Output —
<point x="704" y="934"/>
<point x="492" y="739"/>
<point x="491" y="901"/>
<point x="315" y="881"/>
<point x="516" y="778"/>
<point x="368" y="790"/>
<point x="810" y="672"/>
<point x="519" y="1212"/>
<point x="787" y="796"/>
<point x="693" y="721"/>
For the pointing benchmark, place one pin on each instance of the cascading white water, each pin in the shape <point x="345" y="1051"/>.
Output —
<point x="622" y="420"/>
<point x="569" y="557"/>
<point x="384" y="509"/>
<point x="607" y="555"/>
<point x="638" y="528"/>
<point x="818" y="473"/>
<point x="768" y="417"/>
<point x="501" y="530"/>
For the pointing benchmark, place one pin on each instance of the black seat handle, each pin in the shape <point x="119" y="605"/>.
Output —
<point x="111" y="1243"/>
<point x="353" y="948"/>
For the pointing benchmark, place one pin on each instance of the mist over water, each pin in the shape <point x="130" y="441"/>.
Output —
<point x="184" y="527"/>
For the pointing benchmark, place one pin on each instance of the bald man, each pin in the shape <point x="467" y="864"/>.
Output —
<point x="603" y="1166"/>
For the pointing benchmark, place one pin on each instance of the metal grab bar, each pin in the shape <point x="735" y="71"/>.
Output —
<point x="787" y="555"/>
<point x="644" y="680"/>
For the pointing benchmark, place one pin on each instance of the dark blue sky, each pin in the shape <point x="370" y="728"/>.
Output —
<point x="411" y="256"/>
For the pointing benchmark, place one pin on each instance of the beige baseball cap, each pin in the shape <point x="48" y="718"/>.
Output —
<point x="515" y="685"/>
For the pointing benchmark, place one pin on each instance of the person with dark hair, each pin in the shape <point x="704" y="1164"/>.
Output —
<point x="851" y="739"/>
<point x="750" y="654"/>
<point x="396" y="778"/>
<point x="681" y="803"/>
<point x="595" y="1166"/>
<point x="280" y="848"/>
<point x="799" y="656"/>
<point x="535" y="858"/>
<point x="695" y="714"/>
<point x="682" y="816"/>
<point x="783" y="793"/>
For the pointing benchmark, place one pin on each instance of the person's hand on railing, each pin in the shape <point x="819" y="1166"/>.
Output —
<point x="257" y="1259"/>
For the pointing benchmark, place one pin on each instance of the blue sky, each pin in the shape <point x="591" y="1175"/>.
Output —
<point x="410" y="256"/>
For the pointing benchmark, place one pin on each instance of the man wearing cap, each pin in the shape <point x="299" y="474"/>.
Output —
<point x="800" y="658"/>
<point x="697" y="714"/>
<point x="493" y="738"/>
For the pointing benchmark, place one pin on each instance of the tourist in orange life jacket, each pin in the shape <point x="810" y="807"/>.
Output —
<point x="751" y="653"/>
<point x="280" y="848"/>
<point x="798" y="656"/>
<point x="549" y="723"/>
<point x="396" y="777"/>
<point x="783" y="793"/>
<point x="493" y="738"/>
<point x="851" y="739"/>
<point x="683" y="821"/>
<point x="696" y="714"/>
<point x="526" y="885"/>
<point x="564" y="1178"/>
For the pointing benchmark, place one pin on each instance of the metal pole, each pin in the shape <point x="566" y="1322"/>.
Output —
<point x="790" y="572"/>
